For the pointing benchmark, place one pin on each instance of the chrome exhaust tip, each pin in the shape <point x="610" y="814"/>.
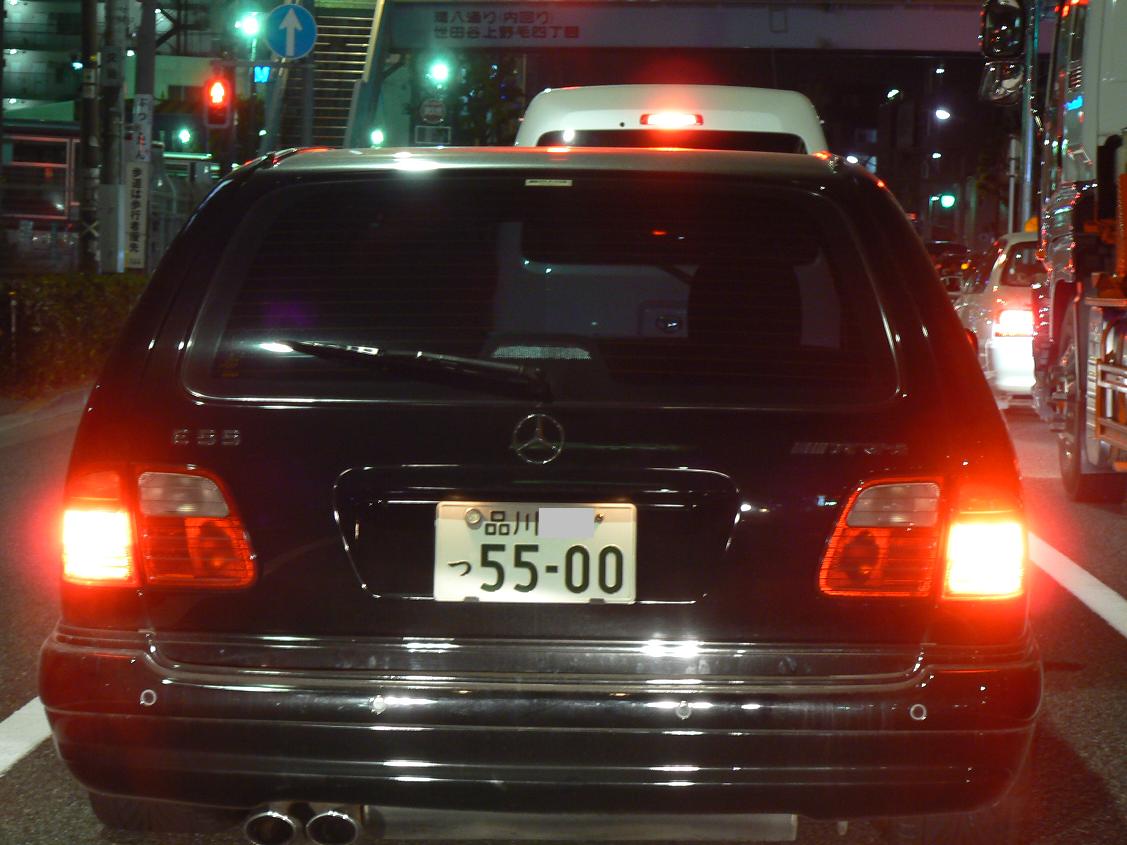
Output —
<point x="272" y="827"/>
<point x="338" y="826"/>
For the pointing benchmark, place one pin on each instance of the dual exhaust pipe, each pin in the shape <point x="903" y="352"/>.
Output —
<point x="289" y="825"/>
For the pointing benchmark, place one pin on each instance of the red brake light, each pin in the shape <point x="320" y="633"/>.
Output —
<point x="180" y="530"/>
<point x="985" y="546"/>
<point x="1014" y="322"/>
<point x="97" y="532"/>
<point x="889" y="537"/>
<point x="672" y="119"/>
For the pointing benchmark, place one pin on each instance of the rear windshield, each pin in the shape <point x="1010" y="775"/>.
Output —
<point x="1023" y="267"/>
<point x="693" y="139"/>
<point x="622" y="289"/>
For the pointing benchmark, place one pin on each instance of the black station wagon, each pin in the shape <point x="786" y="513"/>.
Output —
<point x="545" y="492"/>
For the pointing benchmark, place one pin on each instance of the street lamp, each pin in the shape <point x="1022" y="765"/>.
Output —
<point x="937" y="156"/>
<point x="892" y="94"/>
<point x="942" y="113"/>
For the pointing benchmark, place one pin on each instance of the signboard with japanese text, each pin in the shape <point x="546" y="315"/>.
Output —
<point x="872" y="26"/>
<point x="142" y="127"/>
<point x="432" y="111"/>
<point x="136" y="214"/>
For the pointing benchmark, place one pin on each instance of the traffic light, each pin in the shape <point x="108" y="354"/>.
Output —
<point x="218" y="101"/>
<point x="947" y="200"/>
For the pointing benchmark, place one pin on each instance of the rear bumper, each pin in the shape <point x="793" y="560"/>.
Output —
<point x="943" y="736"/>
<point x="1010" y="365"/>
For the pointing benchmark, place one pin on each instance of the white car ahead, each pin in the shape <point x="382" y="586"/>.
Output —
<point x="719" y="117"/>
<point x="997" y="307"/>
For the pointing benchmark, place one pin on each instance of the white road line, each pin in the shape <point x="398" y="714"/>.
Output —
<point x="1097" y="596"/>
<point x="20" y="733"/>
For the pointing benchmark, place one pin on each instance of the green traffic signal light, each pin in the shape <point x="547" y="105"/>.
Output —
<point x="439" y="72"/>
<point x="248" y="24"/>
<point x="947" y="200"/>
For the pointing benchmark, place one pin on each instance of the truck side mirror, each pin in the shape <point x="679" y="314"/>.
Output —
<point x="1003" y="30"/>
<point x="1002" y="83"/>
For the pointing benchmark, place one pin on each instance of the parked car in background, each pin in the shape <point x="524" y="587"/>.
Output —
<point x="997" y="307"/>
<point x="527" y="490"/>
<point x="720" y="117"/>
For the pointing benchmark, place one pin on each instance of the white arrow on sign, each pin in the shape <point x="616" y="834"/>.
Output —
<point x="291" y="25"/>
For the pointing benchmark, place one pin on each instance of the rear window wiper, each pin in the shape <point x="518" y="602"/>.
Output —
<point x="525" y="380"/>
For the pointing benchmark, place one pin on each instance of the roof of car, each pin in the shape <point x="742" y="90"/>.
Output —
<point x="723" y="107"/>
<point x="779" y="165"/>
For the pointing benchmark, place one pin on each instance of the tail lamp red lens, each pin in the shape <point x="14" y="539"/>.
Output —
<point x="1014" y="322"/>
<point x="97" y="532"/>
<point x="885" y="543"/>
<point x="672" y="120"/>
<point x="893" y="536"/>
<point x="180" y="530"/>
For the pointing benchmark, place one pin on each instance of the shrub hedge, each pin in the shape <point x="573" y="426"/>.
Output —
<point x="64" y="325"/>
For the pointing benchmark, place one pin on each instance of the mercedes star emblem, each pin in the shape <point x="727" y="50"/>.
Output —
<point x="538" y="439"/>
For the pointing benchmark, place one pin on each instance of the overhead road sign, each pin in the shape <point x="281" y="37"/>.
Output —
<point x="290" y="31"/>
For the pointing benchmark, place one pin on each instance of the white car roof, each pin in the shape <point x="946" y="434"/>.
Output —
<point x="722" y="107"/>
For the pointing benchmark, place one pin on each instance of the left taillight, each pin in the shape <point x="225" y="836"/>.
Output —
<point x="98" y="531"/>
<point x="173" y="529"/>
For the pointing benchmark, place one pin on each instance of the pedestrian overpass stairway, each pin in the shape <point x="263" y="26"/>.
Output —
<point x="338" y="56"/>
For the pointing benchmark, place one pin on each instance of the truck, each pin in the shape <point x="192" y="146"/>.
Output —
<point x="1080" y="309"/>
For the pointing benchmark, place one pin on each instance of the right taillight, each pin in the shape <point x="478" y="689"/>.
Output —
<point x="985" y="547"/>
<point x="896" y="538"/>
<point x="180" y="529"/>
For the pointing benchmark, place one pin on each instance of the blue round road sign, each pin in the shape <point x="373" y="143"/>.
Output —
<point x="290" y="31"/>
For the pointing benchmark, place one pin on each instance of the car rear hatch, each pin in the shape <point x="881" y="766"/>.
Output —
<point x="723" y="381"/>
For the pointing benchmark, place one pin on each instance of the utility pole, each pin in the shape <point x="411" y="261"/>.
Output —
<point x="88" y="142"/>
<point x="1028" y="124"/>
<point x="3" y="234"/>
<point x="111" y="81"/>
<point x="137" y="168"/>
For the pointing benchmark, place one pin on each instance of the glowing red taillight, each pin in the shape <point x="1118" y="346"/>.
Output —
<point x="672" y="119"/>
<point x="895" y="538"/>
<point x="97" y="532"/>
<point x="1014" y="322"/>
<point x="985" y="546"/>
<point x="178" y="530"/>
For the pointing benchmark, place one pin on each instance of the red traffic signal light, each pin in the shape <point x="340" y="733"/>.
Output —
<point x="218" y="100"/>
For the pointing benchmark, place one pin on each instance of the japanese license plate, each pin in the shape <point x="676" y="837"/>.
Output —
<point x="533" y="553"/>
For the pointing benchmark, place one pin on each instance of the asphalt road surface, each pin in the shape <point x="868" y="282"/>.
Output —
<point x="1079" y="792"/>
